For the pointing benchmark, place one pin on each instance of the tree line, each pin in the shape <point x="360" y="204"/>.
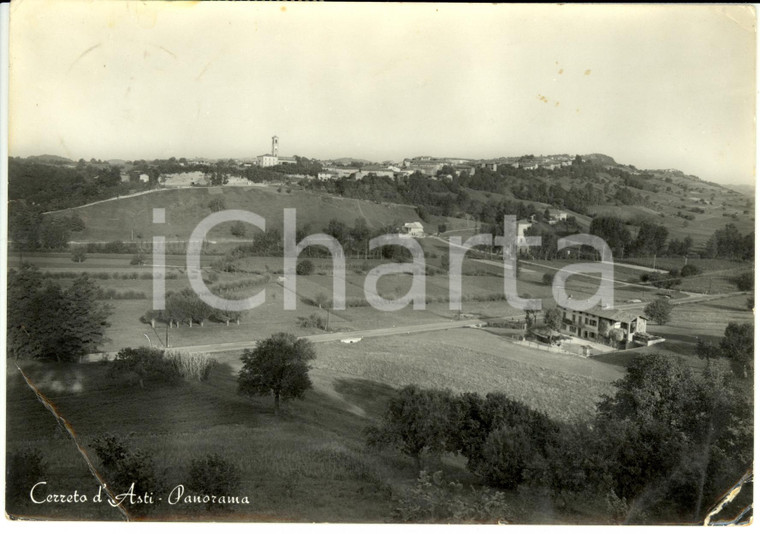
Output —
<point x="663" y="448"/>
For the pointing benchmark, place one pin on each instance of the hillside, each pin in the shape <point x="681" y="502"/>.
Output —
<point x="128" y="219"/>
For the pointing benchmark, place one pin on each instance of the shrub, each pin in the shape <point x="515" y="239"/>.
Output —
<point x="305" y="268"/>
<point x="145" y="365"/>
<point x="435" y="500"/>
<point x="23" y="470"/>
<point x="506" y="454"/>
<point x="112" y="294"/>
<point x="548" y="279"/>
<point x="216" y="204"/>
<point x="745" y="281"/>
<point x="415" y="422"/>
<point x="124" y="466"/>
<point x="213" y="475"/>
<point x="238" y="229"/>
<point x="137" y="259"/>
<point x="689" y="270"/>
<point x="191" y="366"/>
<point x="79" y="254"/>
<point x="110" y="449"/>
<point x="312" y="321"/>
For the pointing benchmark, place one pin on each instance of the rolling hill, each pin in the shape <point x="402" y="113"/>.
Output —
<point x="130" y="218"/>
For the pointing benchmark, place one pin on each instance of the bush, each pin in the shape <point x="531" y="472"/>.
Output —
<point x="548" y="279"/>
<point x="689" y="270"/>
<point x="213" y="475"/>
<point x="137" y="259"/>
<point x="506" y="454"/>
<point x="745" y="281"/>
<point x="124" y="466"/>
<point x="79" y="254"/>
<point x="112" y="294"/>
<point x="313" y="321"/>
<point x="191" y="366"/>
<point x="238" y="229"/>
<point x="305" y="268"/>
<point x="110" y="449"/>
<point x="216" y="204"/>
<point x="437" y="501"/>
<point x="144" y="365"/>
<point x="23" y="470"/>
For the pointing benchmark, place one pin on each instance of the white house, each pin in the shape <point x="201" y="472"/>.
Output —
<point x="557" y="215"/>
<point x="596" y="322"/>
<point x="413" y="229"/>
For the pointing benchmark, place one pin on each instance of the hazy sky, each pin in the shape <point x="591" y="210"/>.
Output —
<point x="653" y="86"/>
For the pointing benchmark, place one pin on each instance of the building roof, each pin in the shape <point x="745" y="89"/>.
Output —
<point x="416" y="225"/>
<point x="624" y="316"/>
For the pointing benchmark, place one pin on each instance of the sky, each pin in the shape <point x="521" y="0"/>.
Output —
<point x="652" y="86"/>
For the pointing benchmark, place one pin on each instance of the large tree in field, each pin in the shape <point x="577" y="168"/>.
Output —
<point x="47" y="322"/>
<point x="278" y="366"/>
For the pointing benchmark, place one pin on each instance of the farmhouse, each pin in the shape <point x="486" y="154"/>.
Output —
<point x="413" y="229"/>
<point x="596" y="323"/>
<point x="557" y="215"/>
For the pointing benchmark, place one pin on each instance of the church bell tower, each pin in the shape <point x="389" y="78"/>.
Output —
<point x="275" y="145"/>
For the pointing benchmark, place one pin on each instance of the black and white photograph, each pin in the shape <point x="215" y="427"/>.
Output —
<point x="379" y="264"/>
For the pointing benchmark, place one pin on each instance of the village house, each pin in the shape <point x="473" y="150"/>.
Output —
<point x="413" y="229"/>
<point x="556" y="216"/>
<point x="596" y="323"/>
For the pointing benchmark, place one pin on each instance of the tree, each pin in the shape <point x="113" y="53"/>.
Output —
<point x="278" y="366"/>
<point x="745" y="281"/>
<point x="238" y="229"/>
<point x="47" y="322"/>
<point x="659" y="311"/>
<point x="689" y="270"/>
<point x="612" y="229"/>
<point x="553" y="318"/>
<point x="79" y="254"/>
<point x="304" y="268"/>
<point x="217" y="204"/>
<point x="530" y="318"/>
<point x="416" y="421"/>
<point x="738" y="347"/>
<point x="138" y="259"/>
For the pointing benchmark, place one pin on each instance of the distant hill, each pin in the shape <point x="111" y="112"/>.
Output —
<point x="744" y="189"/>
<point x="600" y="159"/>
<point x="348" y="161"/>
<point x="50" y="159"/>
<point x="120" y="219"/>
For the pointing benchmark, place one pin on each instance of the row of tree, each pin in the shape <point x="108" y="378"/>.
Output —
<point x="187" y="307"/>
<point x="652" y="239"/>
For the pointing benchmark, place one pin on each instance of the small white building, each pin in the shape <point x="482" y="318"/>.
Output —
<point x="323" y="176"/>
<point x="413" y="229"/>
<point x="144" y="178"/>
<point x="557" y="215"/>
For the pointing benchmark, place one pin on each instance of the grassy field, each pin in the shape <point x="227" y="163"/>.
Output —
<point x="314" y="454"/>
